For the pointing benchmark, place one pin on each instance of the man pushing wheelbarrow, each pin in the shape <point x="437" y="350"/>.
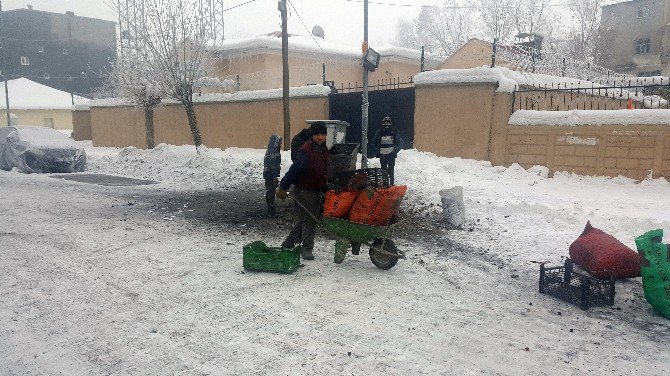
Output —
<point x="365" y="217"/>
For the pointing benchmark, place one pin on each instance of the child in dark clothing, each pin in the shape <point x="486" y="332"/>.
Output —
<point x="271" y="169"/>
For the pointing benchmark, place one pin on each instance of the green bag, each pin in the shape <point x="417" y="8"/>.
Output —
<point x="655" y="260"/>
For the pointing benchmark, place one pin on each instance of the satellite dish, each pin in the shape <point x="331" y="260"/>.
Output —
<point x="317" y="31"/>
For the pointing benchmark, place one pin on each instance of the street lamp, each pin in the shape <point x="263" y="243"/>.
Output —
<point x="371" y="60"/>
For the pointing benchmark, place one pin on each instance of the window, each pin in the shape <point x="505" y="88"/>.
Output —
<point x="642" y="46"/>
<point x="645" y="10"/>
<point x="25" y="60"/>
<point x="40" y="49"/>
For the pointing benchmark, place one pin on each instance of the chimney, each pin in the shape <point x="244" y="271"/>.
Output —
<point x="69" y="13"/>
<point x="29" y="7"/>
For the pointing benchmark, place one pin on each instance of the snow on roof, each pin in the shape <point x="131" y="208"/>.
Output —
<point x="309" y="46"/>
<point x="590" y="117"/>
<point x="241" y="96"/>
<point x="25" y="94"/>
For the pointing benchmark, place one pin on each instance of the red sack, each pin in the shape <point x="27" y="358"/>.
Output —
<point x="603" y="256"/>
<point x="377" y="206"/>
<point x="338" y="204"/>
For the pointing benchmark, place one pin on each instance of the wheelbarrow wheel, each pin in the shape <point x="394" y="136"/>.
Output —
<point x="379" y="256"/>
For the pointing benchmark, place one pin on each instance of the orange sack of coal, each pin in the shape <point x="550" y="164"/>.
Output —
<point x="338" y="204"/>
<point x="377" y="206"/>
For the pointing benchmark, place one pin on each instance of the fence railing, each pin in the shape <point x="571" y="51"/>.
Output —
<point x="641" y="95"/>
<point x="384" y="84"/>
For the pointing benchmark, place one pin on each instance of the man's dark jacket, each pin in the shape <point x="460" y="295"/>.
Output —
<point x="272" y="159"/>
<point x="310" y="169"/>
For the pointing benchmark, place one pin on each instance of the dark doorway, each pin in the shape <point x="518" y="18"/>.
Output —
<point x="396" y="103"/>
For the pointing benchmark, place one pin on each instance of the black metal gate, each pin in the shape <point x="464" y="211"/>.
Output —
<point x="396" y="103"/>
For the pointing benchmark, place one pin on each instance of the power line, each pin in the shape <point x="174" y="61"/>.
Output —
<point x="239" y="5"/>
<point x="434" y="6"/>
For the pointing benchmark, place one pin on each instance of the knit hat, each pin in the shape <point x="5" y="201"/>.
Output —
<point x="318" y="127"/>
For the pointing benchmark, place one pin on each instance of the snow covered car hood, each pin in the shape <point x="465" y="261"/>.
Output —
<point x="35" y="149"/>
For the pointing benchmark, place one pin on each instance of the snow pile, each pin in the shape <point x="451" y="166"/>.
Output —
<point x="467" y="76"/>
<point x="40" y="137"/>
<point x="590" y="117"/>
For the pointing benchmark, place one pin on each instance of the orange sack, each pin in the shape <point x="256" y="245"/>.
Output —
<point x="377" y="206"/>
<point x="338" y="204"/>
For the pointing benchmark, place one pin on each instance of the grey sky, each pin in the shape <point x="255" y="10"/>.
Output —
<point x="341" y="20"/>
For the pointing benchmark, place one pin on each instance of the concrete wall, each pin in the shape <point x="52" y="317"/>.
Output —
<point x="61" y="119"/>
<point x="455" y="121"/>
<point x="472" y="121"/>
<point x="81" y="125"/>
<point x="222" y="124"/>
<point x="592" y="150"/>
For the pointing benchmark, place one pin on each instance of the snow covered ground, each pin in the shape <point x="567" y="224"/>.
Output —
<point x="128" y="280"/>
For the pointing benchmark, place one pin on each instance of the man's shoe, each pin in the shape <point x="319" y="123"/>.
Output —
<point x="307" y="255"/>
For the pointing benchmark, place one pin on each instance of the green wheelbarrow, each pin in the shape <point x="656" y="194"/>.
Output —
<point x="383" y="252"/>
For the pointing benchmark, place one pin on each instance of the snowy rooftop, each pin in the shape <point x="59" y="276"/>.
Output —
<point x="25" y="94"/>
<point x="317" y="46"/>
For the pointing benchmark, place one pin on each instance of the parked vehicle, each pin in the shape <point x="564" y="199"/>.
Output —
<point x="4" y="131"/>
<point x="38" y="149"/>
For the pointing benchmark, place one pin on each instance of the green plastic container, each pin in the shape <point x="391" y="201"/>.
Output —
<point x="257" y="256"/>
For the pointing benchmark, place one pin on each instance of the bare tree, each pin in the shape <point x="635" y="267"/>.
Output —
<point x="498" y="19"/>
<point x="177" y="42"/>
<point x="584" y="36"/>
<point x="440" y="30"/>
<point x="132" y="78"/>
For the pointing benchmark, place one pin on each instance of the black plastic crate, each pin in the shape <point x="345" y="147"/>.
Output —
<point x="564" y="283"/>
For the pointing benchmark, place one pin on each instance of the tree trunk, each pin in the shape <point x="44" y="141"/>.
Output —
<point x="149" y="124"/>
<point x="193" y="123"/>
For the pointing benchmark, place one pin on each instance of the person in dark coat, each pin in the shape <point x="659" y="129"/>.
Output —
<point x="298" y="140"/>
<point x="309" y="175"/>
<point x="387" y="143"/>
<point x="271" y="169"/>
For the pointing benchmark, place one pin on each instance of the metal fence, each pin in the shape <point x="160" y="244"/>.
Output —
<point x="643" y="94"/>
<point x="384" y="84"/>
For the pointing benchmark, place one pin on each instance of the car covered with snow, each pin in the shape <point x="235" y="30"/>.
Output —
<point x="38" y="149"/>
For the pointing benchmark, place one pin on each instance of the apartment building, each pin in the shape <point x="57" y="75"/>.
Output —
<point x="637" y="37"/>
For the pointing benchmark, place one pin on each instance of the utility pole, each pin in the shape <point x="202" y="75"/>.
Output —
<point x="364" y="120"/>
<point x="5" y="74"/>
<point x="284" y="58"/>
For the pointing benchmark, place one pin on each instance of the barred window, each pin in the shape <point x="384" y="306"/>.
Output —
<point x="642" y="46"/>
<point x="25" y="60"/>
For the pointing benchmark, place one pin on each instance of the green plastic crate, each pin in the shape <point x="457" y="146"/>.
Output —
<point x="257" y="256"/>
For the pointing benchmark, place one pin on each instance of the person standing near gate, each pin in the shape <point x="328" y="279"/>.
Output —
<point x="309" y="175"/>
<point x="387" y="143"/>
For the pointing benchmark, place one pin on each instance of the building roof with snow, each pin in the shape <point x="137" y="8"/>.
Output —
<point x="25" y="94"/>
<point x="307" y="46"/>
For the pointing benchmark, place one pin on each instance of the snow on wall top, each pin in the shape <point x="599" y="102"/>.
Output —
<point x="481" y="75"/>
<point x="241" y="96"/>
<point x="309" y="46"/>
<point x="590" y="117"/>
<point x="509" y="80"/>
<point x="25" y="94"/>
